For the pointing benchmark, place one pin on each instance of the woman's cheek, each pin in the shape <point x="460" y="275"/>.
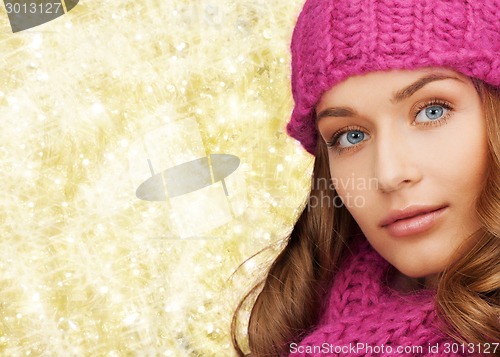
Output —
<point x="351" y="199"/>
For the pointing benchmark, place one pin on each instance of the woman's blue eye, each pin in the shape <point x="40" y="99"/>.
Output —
<point x="350" y="138"/>
<point x="430" y="113"/>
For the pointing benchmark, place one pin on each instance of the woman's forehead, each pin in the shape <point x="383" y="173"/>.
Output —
<point x="390" y="81"/>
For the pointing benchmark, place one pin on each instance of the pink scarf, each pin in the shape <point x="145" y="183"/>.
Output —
<point x="364" y="317"/>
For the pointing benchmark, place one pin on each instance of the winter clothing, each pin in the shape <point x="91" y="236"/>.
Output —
<point x="336" y="39"/>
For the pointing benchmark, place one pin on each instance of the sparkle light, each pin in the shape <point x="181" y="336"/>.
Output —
<point x="83" y="270"/>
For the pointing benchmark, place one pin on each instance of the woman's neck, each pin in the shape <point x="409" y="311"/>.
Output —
<point x="400" y="282"/>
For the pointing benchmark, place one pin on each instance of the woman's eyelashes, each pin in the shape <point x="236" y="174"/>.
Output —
<point x="347" y="138"/>
<point x="434" y="112"/>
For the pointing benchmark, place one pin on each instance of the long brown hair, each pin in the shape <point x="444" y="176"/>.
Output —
<point x="468" y="295"/>
<point x="290" y="298"/>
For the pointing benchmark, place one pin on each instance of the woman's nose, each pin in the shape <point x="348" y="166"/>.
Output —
<point x="395" y="161"/>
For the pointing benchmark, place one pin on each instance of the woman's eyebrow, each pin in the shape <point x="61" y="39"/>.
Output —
<point x="336" y="112"/>
<point x="419" y="84"/>
<point x="398" y="96"/>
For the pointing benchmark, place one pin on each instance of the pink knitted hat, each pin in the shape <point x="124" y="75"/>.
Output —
<point x="335" y="39"/>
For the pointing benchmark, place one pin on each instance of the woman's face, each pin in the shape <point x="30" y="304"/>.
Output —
<point x="408" y="157"/>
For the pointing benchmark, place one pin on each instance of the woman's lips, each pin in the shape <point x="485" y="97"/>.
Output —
<point x="412" y="221"/>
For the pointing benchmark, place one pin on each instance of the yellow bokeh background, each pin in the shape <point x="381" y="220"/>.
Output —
<point x="87" y="268"/>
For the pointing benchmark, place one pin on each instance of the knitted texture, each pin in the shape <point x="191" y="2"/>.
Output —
<point x="335" y="39"/>
<point x="364" y="317"/>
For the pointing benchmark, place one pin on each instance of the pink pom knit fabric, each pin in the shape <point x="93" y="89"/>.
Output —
<point x="335" y="39"/>
<point x="364" y="317"/>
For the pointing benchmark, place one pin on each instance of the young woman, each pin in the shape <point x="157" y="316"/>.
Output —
<point x="399" y="101"/>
